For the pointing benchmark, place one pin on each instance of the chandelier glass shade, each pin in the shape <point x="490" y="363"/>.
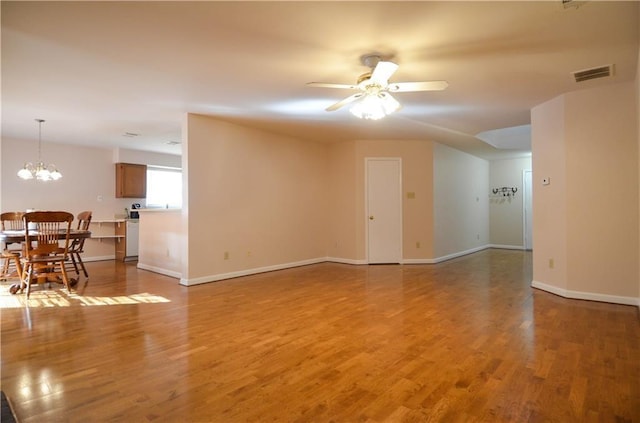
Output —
<point x="375" y="106"/>
<point x="40" y="171"/>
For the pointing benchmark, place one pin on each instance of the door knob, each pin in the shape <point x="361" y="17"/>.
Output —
<point x="370" y="217"/>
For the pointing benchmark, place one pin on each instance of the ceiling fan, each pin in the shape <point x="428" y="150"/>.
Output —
<point x="374" y="89"/>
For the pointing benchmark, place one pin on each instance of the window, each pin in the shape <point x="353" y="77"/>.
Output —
<point x="164" y="187"/>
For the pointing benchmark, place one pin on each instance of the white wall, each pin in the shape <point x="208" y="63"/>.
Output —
<point x="506" y="213"/>
<point x="460" y="201"/>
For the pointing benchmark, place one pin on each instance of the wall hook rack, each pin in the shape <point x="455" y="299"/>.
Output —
<point x="505" y="191"/>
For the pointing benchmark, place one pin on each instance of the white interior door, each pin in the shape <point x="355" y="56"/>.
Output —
<point x="527" y="199"/>
<point x="384" y="210"/>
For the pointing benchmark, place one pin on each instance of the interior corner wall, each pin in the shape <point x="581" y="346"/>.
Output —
<point x="256" y="200"/>
<point x="506" y="214"/>
<point x="586" y="219"/>
<point x="342" y="203"/>
<point x="460" y="201"/>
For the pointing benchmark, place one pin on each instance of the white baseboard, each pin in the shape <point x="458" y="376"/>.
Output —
<point x="247" y="272"/>
<point x="447" y="257"/>
<point x="154" y="269"/>
<point x="98" y="258"/>
<point x="507" y="247"/>
<point x="419" y="261"/>
<point x="345" y="261"/>
<point x="581" y="295"/>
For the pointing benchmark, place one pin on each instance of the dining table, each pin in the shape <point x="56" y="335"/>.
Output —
<point x="18" y="236"/>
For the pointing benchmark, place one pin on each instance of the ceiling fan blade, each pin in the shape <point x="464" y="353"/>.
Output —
<point x="344" y="102"/>
<point x="383" y="72"/>
<point x="398" y="87"/>
<point x="330" y="85"/>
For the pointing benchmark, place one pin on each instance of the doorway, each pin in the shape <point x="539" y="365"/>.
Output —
<point x="383" y="199"/>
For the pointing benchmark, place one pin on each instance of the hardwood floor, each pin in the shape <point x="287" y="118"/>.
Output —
<point x="467" y="340"/>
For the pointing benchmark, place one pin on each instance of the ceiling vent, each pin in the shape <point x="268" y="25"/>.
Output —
<point x="593" y="73"/>
<point x="572" y="3"/>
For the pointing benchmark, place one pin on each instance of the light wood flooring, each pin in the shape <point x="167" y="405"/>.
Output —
<point x="467" y="340"/>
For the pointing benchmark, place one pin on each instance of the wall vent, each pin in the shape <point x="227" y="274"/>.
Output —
<point x="593" y="73"/>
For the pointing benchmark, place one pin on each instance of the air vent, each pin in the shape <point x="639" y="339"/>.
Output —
<point x="593" y="73"/>
<point x="572" y="3"/>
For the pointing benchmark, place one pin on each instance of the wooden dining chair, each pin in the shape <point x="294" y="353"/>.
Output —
<point x="44" y="256"/>
<point x="11" y="221"/>
<point x="77" y="244"/>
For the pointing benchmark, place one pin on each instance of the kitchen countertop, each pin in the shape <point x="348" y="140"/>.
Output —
<point x="159" y="209"/>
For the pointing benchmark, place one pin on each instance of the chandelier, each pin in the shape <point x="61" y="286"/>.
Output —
<point x="40" y="171"/>
<point x="375" y="105"/>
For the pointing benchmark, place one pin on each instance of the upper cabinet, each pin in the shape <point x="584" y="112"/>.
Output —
<point x="131" y="180"/>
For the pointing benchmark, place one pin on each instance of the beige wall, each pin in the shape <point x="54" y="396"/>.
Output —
<point x="638" y="136"/>
<point x="461" y="202"/>
<point x="602" y="194"/>
<point x="260" y="197"/>
<point x="506" y="213"/>
<point x="586" y="219"/>
<point x="549" y="211"/>
<point x="342" y="203"/>
<point x="161" y="240"/>
<point x="88" y="183"/>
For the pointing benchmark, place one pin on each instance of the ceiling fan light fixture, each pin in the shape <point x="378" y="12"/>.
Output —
<point x="375" y="106"/>
<point x="373" y="100"/>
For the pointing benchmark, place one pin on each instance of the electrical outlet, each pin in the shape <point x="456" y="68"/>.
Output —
<point x="551" y="263"/>
<point x="248" y="253"/>
<point x="418" y="244"/>
<point x="226" y="255"/>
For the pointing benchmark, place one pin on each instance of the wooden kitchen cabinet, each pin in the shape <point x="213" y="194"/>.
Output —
<point x="131" y="180"/>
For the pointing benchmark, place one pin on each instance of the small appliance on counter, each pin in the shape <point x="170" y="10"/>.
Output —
<point x="133" y="214"/>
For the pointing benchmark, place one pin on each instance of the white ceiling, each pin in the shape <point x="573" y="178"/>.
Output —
<point x="96" y="70"/>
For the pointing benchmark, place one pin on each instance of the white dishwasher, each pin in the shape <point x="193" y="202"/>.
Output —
<point x="132" y="238"/>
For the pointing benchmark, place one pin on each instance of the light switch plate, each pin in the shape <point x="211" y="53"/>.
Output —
<point x="546" y="181"/>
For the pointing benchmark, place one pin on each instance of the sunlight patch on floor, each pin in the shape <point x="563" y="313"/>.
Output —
<point x="61" y="298"/>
